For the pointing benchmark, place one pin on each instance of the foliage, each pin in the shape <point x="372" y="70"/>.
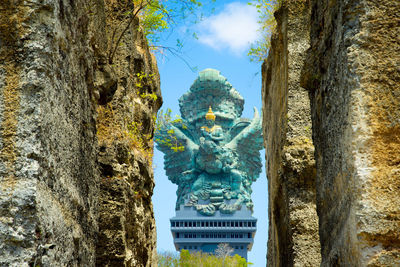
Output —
<point x="141" y="79"/>
<point x="199" y="259"/>
<point x="137" y="140"/>
<point x="111" y="129"/>
<point x="154" y="19"/>
<point x="156" y="16"/>
<point x="168" y="259"/>
<point x="266" y="8"/>
<point x="163" y="120"/>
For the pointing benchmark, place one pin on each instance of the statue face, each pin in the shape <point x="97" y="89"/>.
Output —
<point x="210" y="123"/>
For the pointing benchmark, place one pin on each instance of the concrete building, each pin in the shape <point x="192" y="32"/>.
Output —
<point x="195" y="232"/>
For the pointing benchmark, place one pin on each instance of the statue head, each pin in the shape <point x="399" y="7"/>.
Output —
<point x="211" y="89"/>
<point x="210" y="117"/>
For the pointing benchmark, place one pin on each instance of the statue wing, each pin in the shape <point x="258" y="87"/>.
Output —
<point x="247" y="142"/>
<point x="176" y="142"/>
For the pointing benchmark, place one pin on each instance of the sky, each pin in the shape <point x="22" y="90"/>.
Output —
<point x="222" y="44"/>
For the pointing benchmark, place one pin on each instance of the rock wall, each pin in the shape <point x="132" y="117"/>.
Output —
<point x="293" y="222"/>
<point x="125" y="130"/>
<point x="352" y="76"/>
<point x="55" y="188"/>
<point x="49" y="178"/>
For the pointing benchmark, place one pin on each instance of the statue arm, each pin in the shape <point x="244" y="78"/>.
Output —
<point x="217" y="138"/>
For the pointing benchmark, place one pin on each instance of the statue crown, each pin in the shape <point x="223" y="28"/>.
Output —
<point x="210" y="114"/>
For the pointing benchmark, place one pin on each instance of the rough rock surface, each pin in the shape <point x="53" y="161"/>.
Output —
<point x="293" y="222"/>
<point x="125" y="126"/>
<point x="49" y="178"/>
<point x="352" y="74"/>
<point x="56" y="199"/>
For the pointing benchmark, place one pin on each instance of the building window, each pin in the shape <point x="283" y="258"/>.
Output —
<point x="248" y="235"/>
<point x="184" y="247"/>
<point x="206" y="224"/>
<point x="241" y="224"/>
<point x="254" y="224"/>
<point x="202" y="224"/>
<point x="241" y="247"/>
<point x="177" y="235"/>
<point x="223" y="224"/>
<point x="186" y="224"/>
<point x="236" y="224"/>
<point x="219" y="224"/>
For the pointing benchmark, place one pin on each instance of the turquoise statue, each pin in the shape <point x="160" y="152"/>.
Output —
<point x="210" y="152"/>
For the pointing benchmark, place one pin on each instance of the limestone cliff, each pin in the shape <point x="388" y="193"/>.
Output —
<point x="293" y="222"/>
<point x="70" y="194"/>
<point x="351" y="74"/>
<point x="125" y="124"/>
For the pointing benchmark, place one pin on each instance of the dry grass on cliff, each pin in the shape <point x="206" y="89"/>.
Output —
<point x="111" y="129"/>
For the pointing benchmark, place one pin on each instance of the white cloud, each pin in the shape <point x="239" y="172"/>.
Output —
<point x="235" y="27"/>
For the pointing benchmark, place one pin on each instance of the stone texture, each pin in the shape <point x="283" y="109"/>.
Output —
<point x="352" y="74"/>
<point x="293" y="222"/>
<point x="57" y="199"/>
<point x="129" y="97"/>
<point x="49" y="181"/>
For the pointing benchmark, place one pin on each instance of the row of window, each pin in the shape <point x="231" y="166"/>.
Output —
<point x="195" y="247"/>
<point x="214" y="224"/>
<point x="213" y="235"/>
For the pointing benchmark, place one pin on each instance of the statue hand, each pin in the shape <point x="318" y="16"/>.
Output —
<point x="226" y="169"/>
<point x="202" y="139"/>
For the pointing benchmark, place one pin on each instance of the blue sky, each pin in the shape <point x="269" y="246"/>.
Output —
<point x="224" y="39"/>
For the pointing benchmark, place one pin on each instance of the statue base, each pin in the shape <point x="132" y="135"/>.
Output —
<point x="195" y="232"/>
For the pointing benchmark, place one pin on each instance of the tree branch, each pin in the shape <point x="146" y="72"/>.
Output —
<point x="175" y="52"/>
<point x="111" y="57"/>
